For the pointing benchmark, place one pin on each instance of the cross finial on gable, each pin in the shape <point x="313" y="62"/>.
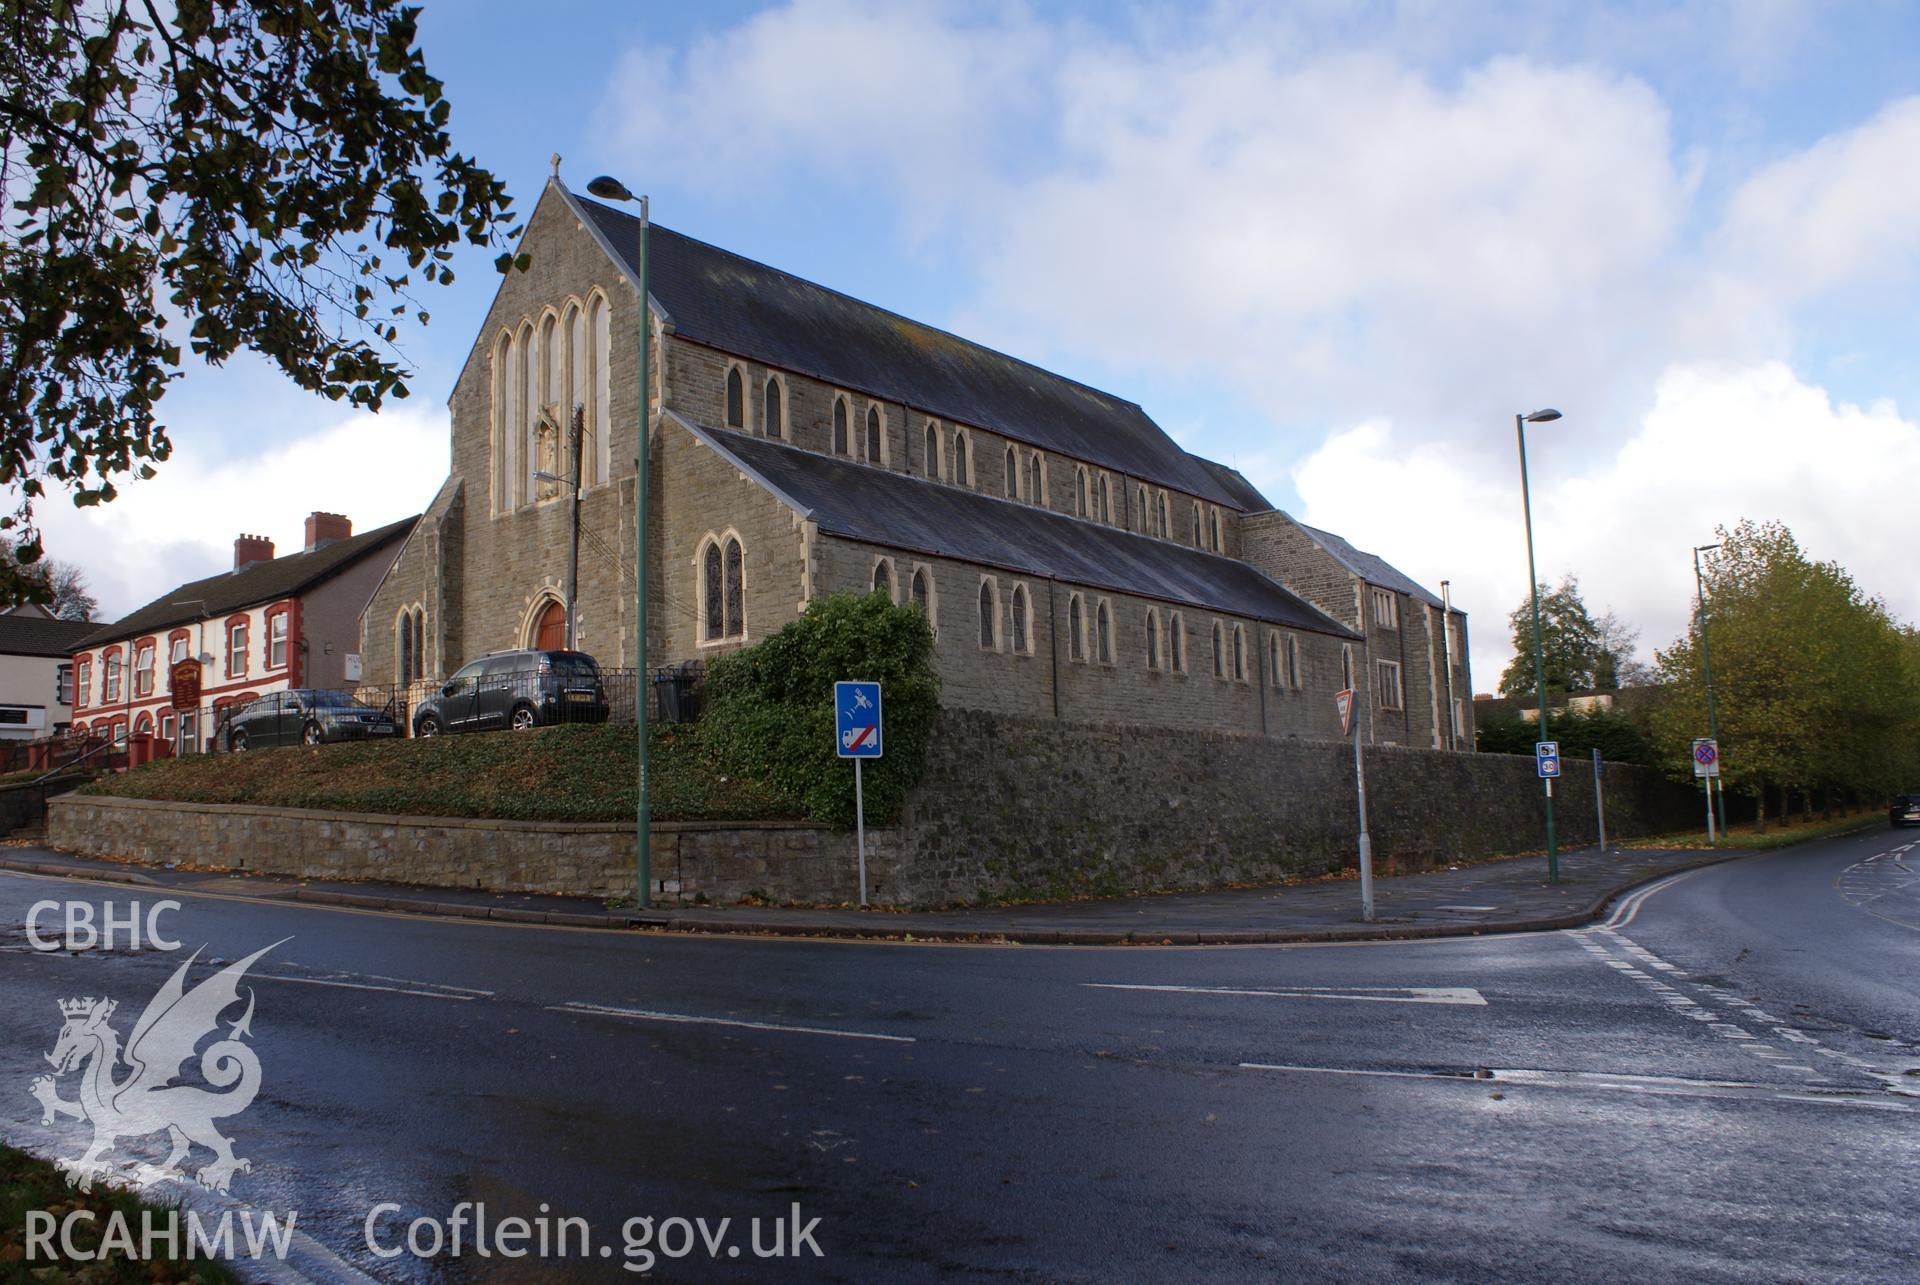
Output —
<point x="556" y="165"/>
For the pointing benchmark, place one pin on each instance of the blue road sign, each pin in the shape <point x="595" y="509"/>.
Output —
<point x="1546" y="758"/>
<point x="856" y="709"/>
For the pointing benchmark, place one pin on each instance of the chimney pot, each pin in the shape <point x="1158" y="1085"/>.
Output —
<point x="325" y="528"/>
<point x="249" y="549"/>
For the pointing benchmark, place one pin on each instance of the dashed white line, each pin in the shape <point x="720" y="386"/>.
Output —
<point x="1462" y="995"/>
<point x="694" y="1019"/>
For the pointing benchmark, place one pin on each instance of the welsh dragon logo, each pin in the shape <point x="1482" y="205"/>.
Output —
<point x="145" y="1100"/>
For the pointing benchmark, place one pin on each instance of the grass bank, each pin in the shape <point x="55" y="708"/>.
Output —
<point x="1744" y="837"/>
<point x="552" y="774"/>
<point x="29" y="1185"/>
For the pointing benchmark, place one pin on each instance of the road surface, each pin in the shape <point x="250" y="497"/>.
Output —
<point x="1716" y="1084"/>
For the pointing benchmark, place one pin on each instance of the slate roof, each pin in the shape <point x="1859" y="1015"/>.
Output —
<point x="1372" y="568"/>
<point x="260" y="582"/>
<point x="915" y="515"/>
<point x="1245" y="495"/>
<point x="33" y="635"/>
<point x="732" y="303"/>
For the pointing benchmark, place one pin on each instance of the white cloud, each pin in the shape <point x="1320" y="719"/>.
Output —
<point x="1717" y="443"/>
<point x="1843" y="210"/>
<point x="180" y="525"/>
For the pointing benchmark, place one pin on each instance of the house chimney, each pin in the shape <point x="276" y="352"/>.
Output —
<point x="249" y="549"/>
<point x="325" y="528"/>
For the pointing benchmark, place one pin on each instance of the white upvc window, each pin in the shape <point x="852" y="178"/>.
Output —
<point x="277" y="641"/>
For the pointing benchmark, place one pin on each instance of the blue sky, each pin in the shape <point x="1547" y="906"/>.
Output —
<point x="1337" y="245"/>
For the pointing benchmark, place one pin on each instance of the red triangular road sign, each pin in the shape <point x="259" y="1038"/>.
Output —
<point x="1343" y="701"/>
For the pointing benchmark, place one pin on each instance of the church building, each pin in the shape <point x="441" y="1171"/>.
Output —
<point x="1073" y="560"/>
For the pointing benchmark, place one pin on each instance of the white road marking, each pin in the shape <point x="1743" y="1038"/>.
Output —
<point x="1624" y="913"/>
<point x="1652" y="1085"/>
<point x="1462" y="995"/>
<point x="363" y="986"/>
<point x="693" y="1019"/>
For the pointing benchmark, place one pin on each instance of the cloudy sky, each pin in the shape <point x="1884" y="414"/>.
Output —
<point x="1336" y="244"/>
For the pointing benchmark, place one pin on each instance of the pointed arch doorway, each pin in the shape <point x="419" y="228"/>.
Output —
<point x="550" y="627"/>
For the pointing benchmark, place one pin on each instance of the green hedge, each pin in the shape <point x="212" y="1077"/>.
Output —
<point x="770" y="706"/>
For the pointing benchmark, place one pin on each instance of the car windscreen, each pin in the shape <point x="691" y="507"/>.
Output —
<point x="573" y="665"/>
<point x="331" y="700"/>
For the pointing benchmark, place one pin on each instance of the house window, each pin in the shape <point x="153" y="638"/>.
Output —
<point x="83" y="671"/>
<point x="236" y="648"/>
<point x="926" y="596"/>
<point x="873" y="435"/>
<point x="840" y="443"/>
<point x="277" y="640"/>
<point x="1177" y="643"/>
<point x="63" y="685"/>
<point x="1013" y="475"/>
<point x="989" y="616"/>
<point x="883" y="578"/>
<point x="113" y="678"/>
<point x="166" y="727"/>
<point x="1386" y="609"/>
<point x="736" y="399"/>
<point x="933" y="452"/>
<point x="962" y="470"/>
<point x="1104" y="622"/>
<point x="1022" y="621"/>
<point x="143" y="670"/>
<point x="1387" y="674"/>
<point x="1240" y="653"/>
<point x="1036" y="480"/>
<point x="1076" y="629"/>
<point x="1219" y="651"/>
<point x="722" y="595"/>
<point x="1153" y="639"/>
<point x="771" y="418"/>
<point x="176" y="651"/>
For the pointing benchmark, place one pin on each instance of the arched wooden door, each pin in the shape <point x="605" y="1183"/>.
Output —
<point x="550" y="634"/>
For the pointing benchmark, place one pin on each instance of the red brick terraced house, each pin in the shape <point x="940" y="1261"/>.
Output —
<point x="269" y="624"/>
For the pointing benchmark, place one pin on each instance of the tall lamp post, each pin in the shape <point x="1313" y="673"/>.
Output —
<point x="612" y="189"/>
<point x="1706" y="664"/>
<point x="1520" y="423"/>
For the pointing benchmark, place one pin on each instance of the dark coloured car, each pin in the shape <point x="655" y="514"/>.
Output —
<point x="1905" y="809"/>
<point x="517" y="689"/>
<point x="306" y="716"/>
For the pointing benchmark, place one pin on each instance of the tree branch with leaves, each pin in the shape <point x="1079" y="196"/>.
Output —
<point x="275" y="175"/>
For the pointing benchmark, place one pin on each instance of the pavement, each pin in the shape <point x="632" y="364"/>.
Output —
<point x="1501" y="895"/>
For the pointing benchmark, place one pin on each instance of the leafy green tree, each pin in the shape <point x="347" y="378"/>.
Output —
<point x="1815" y="684"/>
<point x="770" y="716"/>
<point x="1581" y="654"/>
<point x="267" y="174"/>
<point x="1579" y="733"/>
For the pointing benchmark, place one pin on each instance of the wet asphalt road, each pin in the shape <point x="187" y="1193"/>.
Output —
<point x="1709" y="1090"/>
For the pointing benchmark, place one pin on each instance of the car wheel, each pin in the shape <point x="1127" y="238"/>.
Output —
<point x="312" y="735"/>
<point x="238" y="744"/>
<point x="524" y="719"/>
<point x="429" y="726"/>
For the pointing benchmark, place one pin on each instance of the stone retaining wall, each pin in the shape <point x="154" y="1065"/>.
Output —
<point x="1008" y="806"/>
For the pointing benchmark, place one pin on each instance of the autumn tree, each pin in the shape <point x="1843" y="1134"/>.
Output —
<point x="1816" y="687"/>
<point x="265" y="174"/>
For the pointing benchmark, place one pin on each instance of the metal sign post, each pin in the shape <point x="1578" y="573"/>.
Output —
<point x="1599" y="801"/>
<point x="1546" y="764"/>
<point x="856" y="736"/>
<point x="1706" y="766"/>
<point x="1343" y="701"/>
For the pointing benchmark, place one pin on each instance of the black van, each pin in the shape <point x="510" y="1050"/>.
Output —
<point x="517" y="689"/>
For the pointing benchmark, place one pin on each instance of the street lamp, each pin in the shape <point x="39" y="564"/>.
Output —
<point x="1520" y="423"/>
<point x="1706" y="664"/>
<point x="612" y="189"/>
